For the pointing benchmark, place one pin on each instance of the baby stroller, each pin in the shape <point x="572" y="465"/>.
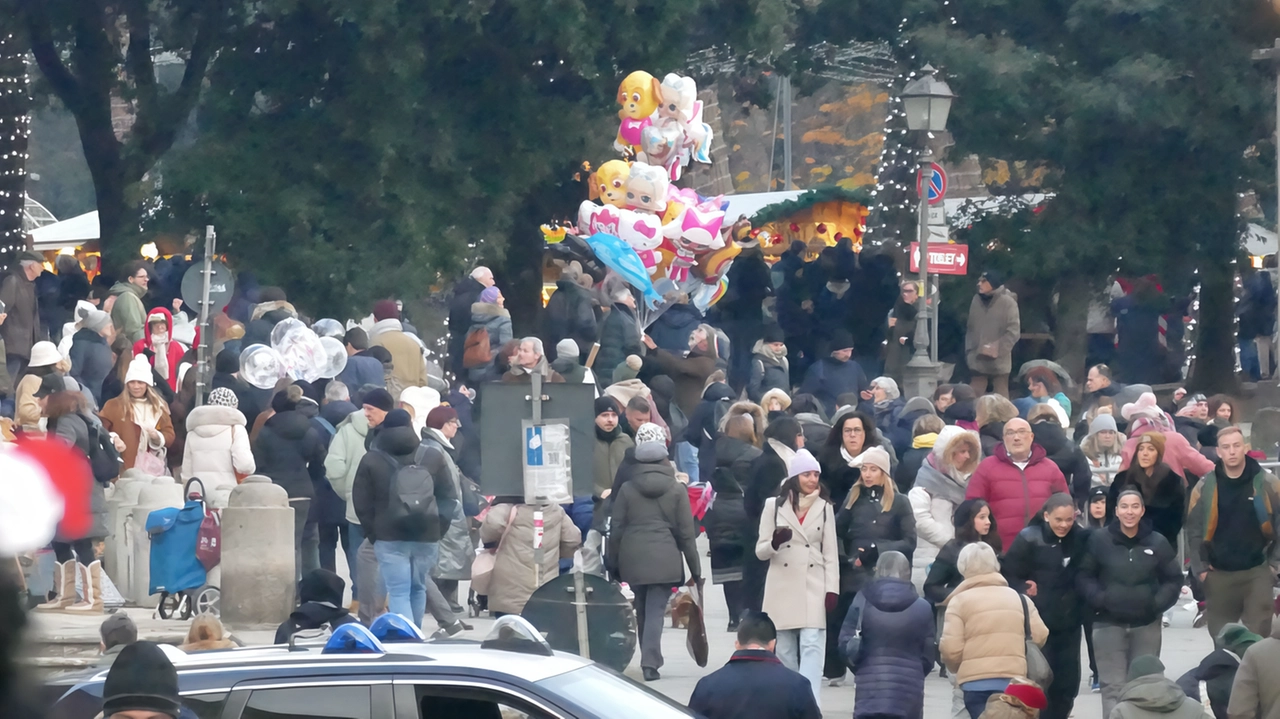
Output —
<point x="177" y="573"/>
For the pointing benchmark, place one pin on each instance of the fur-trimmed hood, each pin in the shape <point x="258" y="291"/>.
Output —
<point x="482" y="311"/>
<point x="755" y="411"/>
<point x="208" y="420"/>
<point x="951" y="435"/>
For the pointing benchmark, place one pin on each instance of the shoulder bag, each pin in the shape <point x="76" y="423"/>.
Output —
<point x="1038" y="669"/>
<point x="482" y="567"/>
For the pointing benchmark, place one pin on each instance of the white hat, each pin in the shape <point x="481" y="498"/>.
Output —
<point x="140" y="371"/>
<point x="44" y="354"/>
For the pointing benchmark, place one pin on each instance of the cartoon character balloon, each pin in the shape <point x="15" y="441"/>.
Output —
<point x="608" y="184"/>
<point x="676" y="133"/>
<point x="639" y="95"/>
<point x="622" y="259"/>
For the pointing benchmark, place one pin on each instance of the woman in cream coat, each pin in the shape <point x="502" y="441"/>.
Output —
<point x="798" y="540"/>
<point x="938" y="490"/>
<point x="217" y="447"/>
<point x="983" y="641"/>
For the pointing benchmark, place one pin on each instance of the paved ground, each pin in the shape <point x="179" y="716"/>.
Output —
<point x="1183" y="649"/>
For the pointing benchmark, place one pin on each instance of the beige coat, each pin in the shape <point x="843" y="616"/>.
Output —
<point x="982" y="635"/>
<point x="1256" y="691"/>
<point x="995" y="324"/>
<point x="804" y="569"/>
<point x="407" y="364"/>
<point x="514" y="577"/>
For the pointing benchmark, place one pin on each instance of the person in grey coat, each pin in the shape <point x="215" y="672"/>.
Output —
<point x="652" y="527"/>
<point x="491" y="315"/>
<point x="436" y="453"/>
<point x="619" y="335"/>
<point x="994" y="328"/>
<point x="91" y="357"/>
<point x="20" y="326"/>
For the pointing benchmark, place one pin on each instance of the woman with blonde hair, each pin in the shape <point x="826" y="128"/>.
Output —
<point x="206" y="634"/>
<point x="992" y="412"/>
<point x="137" y="414"/>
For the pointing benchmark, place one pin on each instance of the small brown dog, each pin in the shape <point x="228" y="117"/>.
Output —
<point x="681" y="607"/>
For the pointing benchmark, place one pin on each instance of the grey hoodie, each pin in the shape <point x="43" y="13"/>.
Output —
<point x="1155" y="697"/>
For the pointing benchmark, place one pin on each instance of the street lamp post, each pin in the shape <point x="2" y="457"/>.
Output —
<point x="927" y="102"/>
<point x="1272" y="55"/>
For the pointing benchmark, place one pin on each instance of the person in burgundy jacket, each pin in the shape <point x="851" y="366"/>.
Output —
<point x="1145" y="416"/>
<point x="1016" y="480"/>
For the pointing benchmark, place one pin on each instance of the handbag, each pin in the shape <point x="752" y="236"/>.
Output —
<point x="1038" y="669"/>
<point x="853" y="645"/>
<point x="209" y="537"/>
<point x="148" y="460"/>
<point x="487" y="559"/>
<point x="696" y="637"/>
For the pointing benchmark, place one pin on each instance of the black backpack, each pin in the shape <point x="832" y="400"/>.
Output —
<point x="411" y="498"/>
<point x="103" y="458"/>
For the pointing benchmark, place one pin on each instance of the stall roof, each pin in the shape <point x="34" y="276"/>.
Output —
<point x="69" y="233"/>
<point x="1258" y="240"/>
<point x="752" y="202"/>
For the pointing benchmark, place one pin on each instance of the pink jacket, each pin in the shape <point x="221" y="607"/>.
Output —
<point x="1178" y="452"/>
<point x="1015" y="495"/>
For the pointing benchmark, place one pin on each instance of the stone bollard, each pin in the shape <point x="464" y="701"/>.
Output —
<point x="122" y="498"/>
<point x="257" y="555"/>
<point x="161" y="493"/>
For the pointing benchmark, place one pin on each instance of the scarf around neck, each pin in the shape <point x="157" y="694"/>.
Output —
<point x="806" y="502"/>
<point x="765" y="351"/>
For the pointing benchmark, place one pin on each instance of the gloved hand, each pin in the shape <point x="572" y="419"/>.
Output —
<point x="831" y="600"/>
<point x="781" y="536"/>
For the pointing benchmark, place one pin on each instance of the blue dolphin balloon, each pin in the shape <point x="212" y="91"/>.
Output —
<point x="620" y="257"/>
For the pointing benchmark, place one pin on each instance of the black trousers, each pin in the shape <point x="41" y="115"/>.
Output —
<point x="754" y="573"/>
<point x="834" y="667"/>
<point x="1062" y="650"/>
<point x="80" y="549"/>
<point x="733" y="600"/>
<point x="330" y="536"/>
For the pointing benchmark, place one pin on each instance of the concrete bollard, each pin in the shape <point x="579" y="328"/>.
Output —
<point x="161" y="493"/>
<point x="257" y="555"/>
<point x="122" y="498"/>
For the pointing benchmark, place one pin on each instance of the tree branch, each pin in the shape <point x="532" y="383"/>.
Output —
<point x="51" y="66"/>
<point x="156" y="131"/>
<point x="138" y="56"/>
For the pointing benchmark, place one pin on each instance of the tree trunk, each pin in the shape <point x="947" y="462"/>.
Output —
<point x="112" y="213"/>
<point x="1071" y="338"/>
<point x="15" y="129"/>
<point x="1215" y="360"/>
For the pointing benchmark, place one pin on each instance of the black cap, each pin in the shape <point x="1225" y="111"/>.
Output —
<point x="773" y="333"/>
<point x="840" y="340"/>
<point x="605" y="403"/>
<point x="49" y="384"/>
<point x="141" y="679"/>
<point x="379" y="398"/>
<point x="1097" y="493"/>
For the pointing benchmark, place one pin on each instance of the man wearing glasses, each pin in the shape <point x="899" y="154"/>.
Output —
<point x="128" y="313"/>
<point x="1016" y="480"/>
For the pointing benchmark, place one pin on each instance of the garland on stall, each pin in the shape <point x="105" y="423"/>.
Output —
<point x="783" y="210"/>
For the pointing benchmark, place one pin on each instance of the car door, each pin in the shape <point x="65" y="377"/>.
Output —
<point x="311" y="698"/>
<point x="468" y="697"/>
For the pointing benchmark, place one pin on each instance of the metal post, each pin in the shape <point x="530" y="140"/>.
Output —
<point x="786" y="137"/>
<point x="1272" y="55"/>
<point x="936" y="294"/>
<point x="921" y="373"/>
<point x="202" y="350"/>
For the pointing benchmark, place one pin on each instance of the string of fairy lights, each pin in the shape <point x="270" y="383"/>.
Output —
<point x="15" y="131"/>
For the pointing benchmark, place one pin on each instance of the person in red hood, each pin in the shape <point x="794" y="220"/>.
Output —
<point x="1016" y="480"/>
<point x="164" y="353"/>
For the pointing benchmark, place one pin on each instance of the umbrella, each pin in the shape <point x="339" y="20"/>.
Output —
<point x="1063" y="375"/>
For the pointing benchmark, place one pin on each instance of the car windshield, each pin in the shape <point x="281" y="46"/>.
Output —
<point x="605" y="693"/>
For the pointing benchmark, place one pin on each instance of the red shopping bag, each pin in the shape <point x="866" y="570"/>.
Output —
<point x="209" y="540"/>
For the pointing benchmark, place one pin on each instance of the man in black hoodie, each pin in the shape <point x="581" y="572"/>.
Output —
<point x="320" y="603"/>
<point x="290" y="452"/>
<point x="404" y="512"/>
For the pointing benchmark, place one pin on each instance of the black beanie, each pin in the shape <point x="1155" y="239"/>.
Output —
<point x="993" y="277"/>
<point x="227" y="362"/>
<point x="605" y="403"/>
<point x="379" y="398"/>
<point x="141" y="679"/>
<point x="773" y="333"/>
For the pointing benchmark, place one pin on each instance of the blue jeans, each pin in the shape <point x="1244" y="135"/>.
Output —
<point x="355" y="535"/>
<point x="1249" y="365"/>
<point x="687" y="460"/>
<point x="405" y="569"/>
<point x="976" y="702"/>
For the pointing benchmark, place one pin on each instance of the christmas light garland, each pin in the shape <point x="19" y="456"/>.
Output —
<point x="15" y="131"/>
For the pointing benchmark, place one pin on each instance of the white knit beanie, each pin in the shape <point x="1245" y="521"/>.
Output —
<point x="140" y="371"/>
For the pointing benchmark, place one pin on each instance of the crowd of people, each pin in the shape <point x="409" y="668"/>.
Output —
<point x="851" y="530"/>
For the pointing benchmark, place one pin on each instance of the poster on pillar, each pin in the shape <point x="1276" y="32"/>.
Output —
<point x="548" y="470"/>
<point x="505" y="410"/>
<point x="944" y="258"/>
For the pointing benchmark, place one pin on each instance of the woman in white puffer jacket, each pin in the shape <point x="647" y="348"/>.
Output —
<point x="938" y="490"/>
<point x="217" y="446"/>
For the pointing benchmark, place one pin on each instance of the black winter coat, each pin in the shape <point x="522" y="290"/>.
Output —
<point x="703" y="428"/>
<point x="866" y="531"/>
<point x="371" y="492"/>
<point x="944" y="576"/>
<point x="754" y="684"/>
<point x="1129" y="581"/>
<point x="1040" y="556"/>
<point x="909" y="467"/>
<point x="465" y="293"/>
<point x="1068" y="456"/>
<point x="897" y="649"/>
<point x="91" y="361"/>
<point x="290" y="452"/>
<point x="652" y="527"/>
<point x="672" y="328"/>
<point x="990" y="435"/>
<point x="619" y="337"/>
<point x="570" y="315"/>
<point x="837" y="476"/>
<point x="827" y="379"/>
<point x="1218" y="672"/>
<point x="749" y="284"/>
<point x="726" y="522"/>
<point x="1166" y="508"/>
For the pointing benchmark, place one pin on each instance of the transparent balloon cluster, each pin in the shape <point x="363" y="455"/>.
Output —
<point x="296" y="353"/>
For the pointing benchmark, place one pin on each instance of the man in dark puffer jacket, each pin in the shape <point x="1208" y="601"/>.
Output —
<point x="897" y="649"/>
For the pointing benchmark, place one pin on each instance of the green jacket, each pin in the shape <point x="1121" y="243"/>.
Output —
<point x="345" y="452"/>
<point x="128" y="313"/>
<point x="1202" y="513"/>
